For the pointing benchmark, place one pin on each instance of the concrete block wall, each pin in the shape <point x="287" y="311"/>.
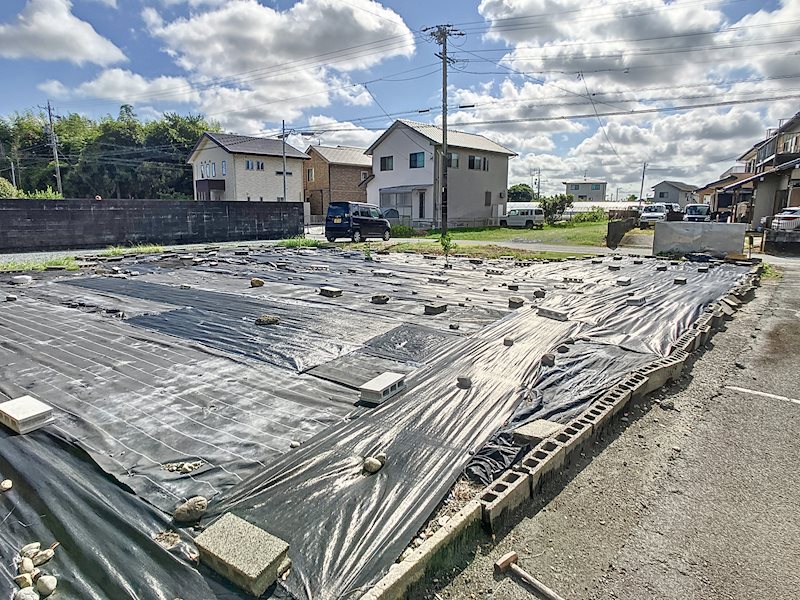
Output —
<point x="37" y="225"/>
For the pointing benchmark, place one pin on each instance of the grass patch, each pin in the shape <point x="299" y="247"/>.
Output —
<point x="137" y="249"/>
<point x="771" y="272"/>
<point x="569" y="234"/>
<point x="488" y="251"/>
<point x="67" y="262"/>
<point x="299" y="242"/>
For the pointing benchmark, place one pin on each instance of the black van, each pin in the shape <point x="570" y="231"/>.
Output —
<point x="357" y="221"/>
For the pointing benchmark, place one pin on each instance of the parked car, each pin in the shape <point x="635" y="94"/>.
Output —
<point x="652" y="213"/>
<point x="357" y="221"/>
<point x="523" y="217"/>
<point x="788" y="218"/>
<point x="697" y="212"/>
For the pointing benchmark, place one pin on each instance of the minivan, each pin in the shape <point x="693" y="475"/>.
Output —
<point x="357" y="221"/>
<point x="697" y="212"/>
<point x="523" y="217"/>
<point x="652" y="213"/>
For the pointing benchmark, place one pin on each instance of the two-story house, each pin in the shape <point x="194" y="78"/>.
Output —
<point x="586" y="190"/>
<point x="335" y="174"/>
<point x="674" y="192"/>
<point x="239" y="167"/>
<point x="406" y="175"/>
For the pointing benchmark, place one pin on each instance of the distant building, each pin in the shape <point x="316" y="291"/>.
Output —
<point x="239" y="167"/>
<point x="335" y="174"/>
<point x="674" y="192"/>
<point x="406" y="163"/>
<point x="586" y="190"/>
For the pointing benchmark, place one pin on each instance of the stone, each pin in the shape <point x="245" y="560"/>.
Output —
<point x="435" y="308"/>
<point x="509" y="341"/>
<point x="243" y="553"/>
<point x="381" y="457"/>
<point x="534" y="432"/>
<point x="667" y="405"/>
<point x="191" y="510"/>
<point x="548" y="360"/>
<point x="46" y="585"/>
<point x="454" y="326"/>
<point x="464" y="382"/>
<point x="372" y="464"/>
<point x="380" y="299"/>
<point x="29" y="550"/>
<point x="23" y="580"/>
<point x="256" y="282"/>
<point x="562" y="349"/>
<point x="11" y="298"/>
<point x="330" y="292"/>
<point x="539" y="293"/>
<point x="294" y="444"/>
<point x="42" y="556"/>
<point x="25" y="566"/>
<point x="21" y="279"/>
<point x="27" y="593"/>
<point x="265" y="320"/>
<point x="516" y="301"/>
<point x="6" y="485"/>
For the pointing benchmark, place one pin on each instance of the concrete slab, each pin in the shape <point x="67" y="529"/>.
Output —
<point x="245" y="554"/>
<point x="25" y="414"/>
<point x="534" y="432"/>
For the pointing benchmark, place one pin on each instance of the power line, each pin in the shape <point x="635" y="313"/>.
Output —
<point x="600" y="121"/>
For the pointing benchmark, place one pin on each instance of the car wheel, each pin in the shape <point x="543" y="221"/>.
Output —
<point x="386" y="235"/>
<point x="357" y="236"/>
<point x="529" y="224"/>
<point x="331" y="239"/>
<point x="503" y="223"/>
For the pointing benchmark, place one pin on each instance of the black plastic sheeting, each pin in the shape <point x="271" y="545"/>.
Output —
<point x="195" y="381"/>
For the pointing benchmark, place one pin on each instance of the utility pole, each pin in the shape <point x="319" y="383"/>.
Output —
<point x="641" y="189"/>
<point x="538" y="183"/>
<point x="440" y="33"/>
<point x="283" y="138"/>
<point x="11" y="161"/>
<point x="54" y="143"/>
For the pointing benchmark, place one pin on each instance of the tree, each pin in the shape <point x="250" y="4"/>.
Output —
<point x="554" y="206"/>
<point x="446" y="241"/>
<point x="7" y="190"/>
<point x="632" y="198"/>
<point x="520" y="192"/>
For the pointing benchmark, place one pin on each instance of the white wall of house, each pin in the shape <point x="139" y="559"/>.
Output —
<point x="400" y="145"/>
<point x="473" y="193"/>
<point x="665" y="192"/>
<point x="211" y="156"/>
<point x="586" y="191"/>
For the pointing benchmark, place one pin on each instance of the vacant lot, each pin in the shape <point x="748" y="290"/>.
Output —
<point x="582" y="234"/>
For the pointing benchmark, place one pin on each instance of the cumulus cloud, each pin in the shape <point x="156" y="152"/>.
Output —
<point x="47" y="30"/>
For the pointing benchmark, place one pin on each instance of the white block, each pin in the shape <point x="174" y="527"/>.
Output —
<point x="25" y="414"/>
<point x="381" y="388"/>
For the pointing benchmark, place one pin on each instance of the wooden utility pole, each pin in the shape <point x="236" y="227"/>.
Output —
<point x="54" y="143"/>
<point x="641" y="189"/>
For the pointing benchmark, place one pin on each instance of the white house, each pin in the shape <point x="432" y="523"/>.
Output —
<point x="586" y="190"/>
<point x="675" y="192"/>
<point x="239" y="167"/>
<point x="406" y="174"/>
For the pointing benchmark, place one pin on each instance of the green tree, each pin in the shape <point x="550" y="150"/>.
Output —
<point x="7" y="190"/>
<point x="446" y="242"/>
<point x="520" y="192"/>
<point x="554" y="206"/>
<point x="632" y="198"/>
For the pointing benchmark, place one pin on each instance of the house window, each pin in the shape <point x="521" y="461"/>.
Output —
<point x="364" y="175"/>
<point x="249" y="165"/>
<point x="202" y="171"/>
<point x="280" y="198"/>
<point x="213" y="169"/>
<point x="224" y="168"/>
<point x="574" y="187"/>
<point x="310" y="175"/>
<point x="416" y="160"/>
<point x="452" y="160"/>
<point x="280" y="173"/>
<point x="595" y="186"/>
<point x="387" y="163"/>
<point x="487" y="198"/>
<point x="259" y="165"/>
<point x="478" y="163"/>
<point x="422" y="205"/>
<point x="485" y="164"/>
<point x="663" y="194"/>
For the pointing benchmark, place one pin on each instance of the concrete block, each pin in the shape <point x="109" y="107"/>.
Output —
<point x="636" y="383"/>
<point x="382" y="273"/>
<point x="623" y="281"/>
<point x="504" y="495"/>
<point x="705" y="334"/>
<point x="379" y="389"/>
<point x="635" y="300"/>
<point x="661" y="267"/>
<point x="679" y="281"/>
<point x="243" y="553"/>
<point x="330" y="292"/>
<point x="495" y="272"/>
<point x="552" y="313"/>
<point x="435" y="308"/>
<point x="614" y="267"/>
<point x="516" y="301"/>
<point x="573" y="280"/>
<point x="702" y="269"/>
<point x="534" y="432"/>
<point x="580" y="430"/>
<point x="550" y="455"/>
<point x="25" y="414"/>
<point x="439" y="280"/>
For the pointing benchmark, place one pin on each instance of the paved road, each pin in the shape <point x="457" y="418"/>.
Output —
<point x="698" y="503"/>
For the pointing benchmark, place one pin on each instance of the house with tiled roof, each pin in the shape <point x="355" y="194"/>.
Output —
<point x="406" y="167"/>
<point x="674" y="192"/>
<point x="239" y="167"/>
<point x="335" y="173"/>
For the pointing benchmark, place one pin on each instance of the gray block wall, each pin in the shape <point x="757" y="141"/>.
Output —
<point x="28" y="225"/>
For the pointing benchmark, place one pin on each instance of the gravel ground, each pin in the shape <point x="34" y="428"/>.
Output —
<point x="694" y="503"/>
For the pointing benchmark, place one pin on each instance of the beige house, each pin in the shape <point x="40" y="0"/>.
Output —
<point x="586" y="190"/>
<point x="335" y="174"/>
<point x="238" y="167"/>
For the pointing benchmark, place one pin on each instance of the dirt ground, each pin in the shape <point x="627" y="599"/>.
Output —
<point x="699" y="502"/>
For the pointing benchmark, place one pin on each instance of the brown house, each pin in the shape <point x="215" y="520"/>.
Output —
<point x="333" y="174"/>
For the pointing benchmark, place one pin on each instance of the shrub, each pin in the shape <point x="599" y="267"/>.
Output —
<point x="593" y="215"/>
<point x="403" y="231"/>
<point x="7" y="189"/>
<point x="554" y="207"/>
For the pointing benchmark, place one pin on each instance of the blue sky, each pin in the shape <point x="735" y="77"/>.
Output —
<point x="539" y="72"/>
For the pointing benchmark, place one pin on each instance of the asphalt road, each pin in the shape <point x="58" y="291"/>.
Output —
<point x="695" y="503"/>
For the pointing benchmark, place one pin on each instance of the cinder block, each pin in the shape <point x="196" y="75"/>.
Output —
<point x="580" y="430"/>
<point x="550" y="455"/>
<point x="243" y="553"/>
<point x="613" y="267"/>
<point x="330" y="292"/>
<point x="439" y="280"/>
<point x="705" y="334"/>
<point x="661" y="267"/>
<point x="25" y="414"/>
<point x="552" y="313"/>
<point x="534" y="432"/>
<point x="435" y="308"/>
<point x="635" y="300"/>
<point x="504" y="495"/>
<point x="623" y="281"/>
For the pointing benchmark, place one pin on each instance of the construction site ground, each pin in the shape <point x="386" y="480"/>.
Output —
<point x="698" y="501"/>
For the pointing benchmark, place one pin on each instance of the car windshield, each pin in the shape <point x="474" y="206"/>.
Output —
<point x="789" y="212"/>
<point x="338" y="209"/>
<point x="653" y="209"/>
<point x="697" y="210"/>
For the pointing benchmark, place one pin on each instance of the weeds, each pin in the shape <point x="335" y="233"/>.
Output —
<point x="299" y="242"/>
<point x="136" y="249"/>
<point x="67" y="262"/>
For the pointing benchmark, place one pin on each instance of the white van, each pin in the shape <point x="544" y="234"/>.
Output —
<point x="523" y="217"/>
<point x="651" y="214"/>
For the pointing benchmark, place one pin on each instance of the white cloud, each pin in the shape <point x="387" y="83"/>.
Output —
<point x="126" y="86"/>
<point x="54" y="89"/>
<point x="111" y="3"/>
<point x="47" y="30"/>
